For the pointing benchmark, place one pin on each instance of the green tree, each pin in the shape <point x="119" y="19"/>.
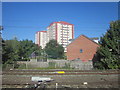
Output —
<point x="109" y="51"/>
<point x="54" y="50"/>
<point x="14" y="50"/>
<point x="10" y="51"/>
<point x="27" y="47"/>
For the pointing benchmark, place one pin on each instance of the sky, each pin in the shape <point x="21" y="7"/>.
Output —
<point x="24" y="19"/>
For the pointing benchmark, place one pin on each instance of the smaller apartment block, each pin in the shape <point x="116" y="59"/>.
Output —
<point x="41" y="38"/>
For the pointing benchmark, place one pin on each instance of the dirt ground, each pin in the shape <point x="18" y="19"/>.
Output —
<point x="63" y="81"/>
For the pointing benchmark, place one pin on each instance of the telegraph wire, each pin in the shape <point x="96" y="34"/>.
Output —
<point x="45" y="27"/>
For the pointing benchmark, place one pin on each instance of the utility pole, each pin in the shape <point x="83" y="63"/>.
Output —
<point x="1" y="28"/>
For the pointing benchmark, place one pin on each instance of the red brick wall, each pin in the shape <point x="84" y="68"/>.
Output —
<point x="89" y="49"/>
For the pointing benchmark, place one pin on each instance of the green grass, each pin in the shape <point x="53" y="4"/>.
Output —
<point x="53" y="68"/>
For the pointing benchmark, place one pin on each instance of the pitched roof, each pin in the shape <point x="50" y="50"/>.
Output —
<point x="85" y="37"/>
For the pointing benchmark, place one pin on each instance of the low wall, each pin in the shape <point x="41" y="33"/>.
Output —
<point x="76" y="64"/>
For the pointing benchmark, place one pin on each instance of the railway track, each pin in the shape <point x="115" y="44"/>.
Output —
<point x="95" y="78"/>
<point x="54" y="72"/>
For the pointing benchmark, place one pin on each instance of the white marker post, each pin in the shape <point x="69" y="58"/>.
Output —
<point x="56" y="86"/>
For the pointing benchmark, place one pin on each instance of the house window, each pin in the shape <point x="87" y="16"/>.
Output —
<point x="81" y="51"/>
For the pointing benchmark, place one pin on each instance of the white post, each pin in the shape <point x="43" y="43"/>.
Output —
<point x="56" y="86"/>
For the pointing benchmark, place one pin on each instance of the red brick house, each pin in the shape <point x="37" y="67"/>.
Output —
<point x="81" y="48"/>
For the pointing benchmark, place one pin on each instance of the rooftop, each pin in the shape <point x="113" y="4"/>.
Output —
<point x="61" y="22"/>
<point x="41" y="31"/>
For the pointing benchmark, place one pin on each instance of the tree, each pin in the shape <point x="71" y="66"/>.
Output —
<point x="26" y="48"/>
<point x="10" y="51"/>
<point x="54" y="50"/>
<point x="109" y="51"/>
<point x="14" y="50"/>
